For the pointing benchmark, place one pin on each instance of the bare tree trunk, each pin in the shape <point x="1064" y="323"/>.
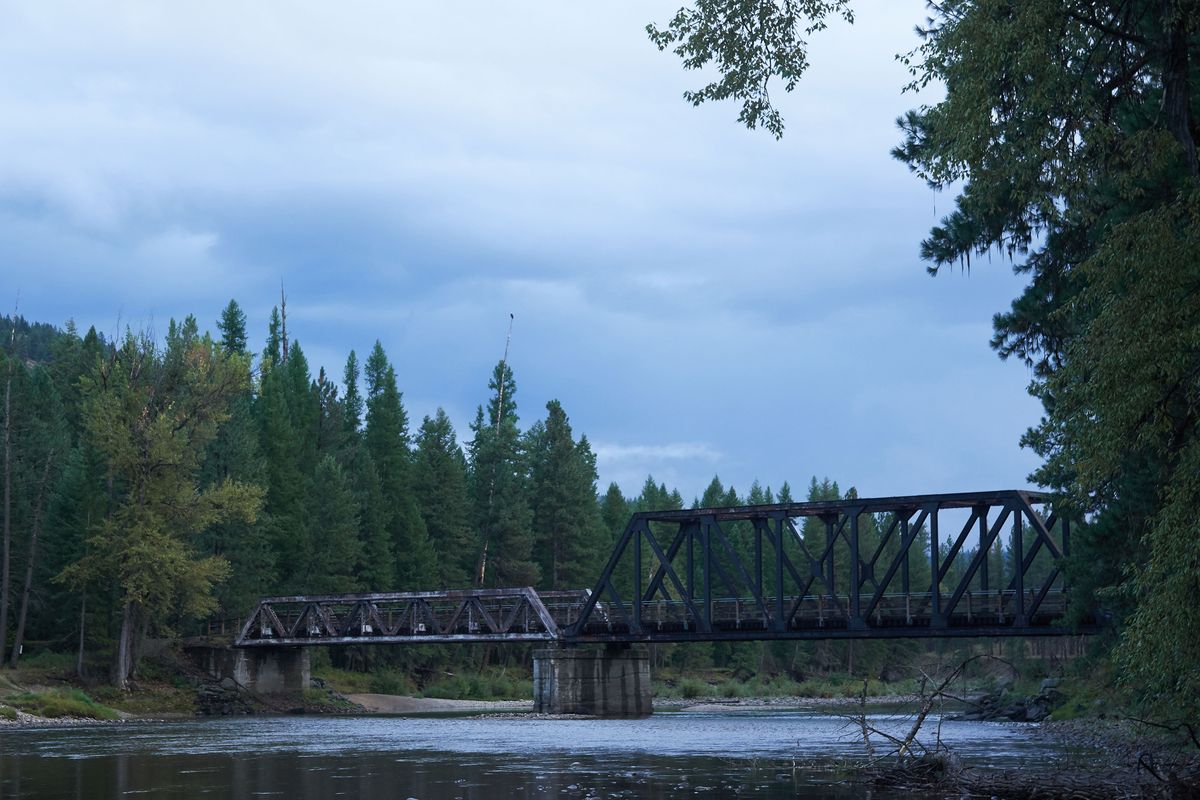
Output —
<point x="4" y="560"/>
<point x="38" y="505"/>
<point x="1177" y="94"/>
<point x="120" y="670"/>
<point x="82" y="619"/>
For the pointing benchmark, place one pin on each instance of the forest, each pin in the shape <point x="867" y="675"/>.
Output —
<point x="153" y="488"/>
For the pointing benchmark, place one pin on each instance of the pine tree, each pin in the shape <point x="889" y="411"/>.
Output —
<point x="332" y="437"/>
<point x="40" y="444"/>
<point x="333" y="515"/>
<point x="232" y="326"/>
<point x="234" y="454"/>
<point x="497" y="487"/>
<point x="78" y="503"/>
<point x="273" y="352"/>
<point x="615" y="512"/>
<point x="386" y="439"/>
<point x="287" y="484"/>
<point x="352" y="402"/>
<point x="440" y="485"/>
<point x="377" y="564"/>
<point x="566" y="519"/>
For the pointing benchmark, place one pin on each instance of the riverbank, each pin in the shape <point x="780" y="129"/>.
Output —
<point x="372" y="703"/>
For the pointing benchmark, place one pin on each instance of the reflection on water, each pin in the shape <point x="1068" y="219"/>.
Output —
<point x="761" y="754"/>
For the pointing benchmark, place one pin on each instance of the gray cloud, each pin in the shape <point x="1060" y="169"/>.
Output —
<point x="416" y="174"/>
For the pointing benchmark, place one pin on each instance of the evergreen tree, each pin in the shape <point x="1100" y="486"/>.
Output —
<point x="39" y="443"/>
<point x="352" y="403"/>
<point x="234" y="455"/>
<point x="759" y="496"/>
<point x="334" y="524"/>
<point x="332" y="438"/>
<point x="497" y="485"/>
<point x="232" y="326"/>
<point x="273" y="352"/>
<point x="567" y="529"/>
<point x="377" y="566"/>
<point x="614" y="512"/>
<point x="386" y="439"/>
<point x="78" y="503"/>
<point x="287" y="483"/>
<point x="440" y="485"/>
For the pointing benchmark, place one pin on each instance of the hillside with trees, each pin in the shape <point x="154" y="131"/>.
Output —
<point x="155" y="488"/>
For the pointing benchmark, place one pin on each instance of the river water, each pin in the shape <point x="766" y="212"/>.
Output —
<point x="760" y="753"/>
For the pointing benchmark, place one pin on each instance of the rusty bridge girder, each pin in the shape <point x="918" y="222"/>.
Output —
<point x="750" y="573"/>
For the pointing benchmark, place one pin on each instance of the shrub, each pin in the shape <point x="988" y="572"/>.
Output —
<point x="8" y="713"/>
<point x="344" y="680"/>
<point x="388" y="682"/>
<point x="48" y="661"/>
<point x="454" y="687"/>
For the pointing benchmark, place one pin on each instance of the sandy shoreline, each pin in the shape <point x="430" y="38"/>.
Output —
<point x="400" y="704"/>
<point x="403" y="704"/>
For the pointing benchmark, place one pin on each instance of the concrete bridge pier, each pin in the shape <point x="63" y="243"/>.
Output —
<point x="612" y="682"/>
<point x="266" y="670"/>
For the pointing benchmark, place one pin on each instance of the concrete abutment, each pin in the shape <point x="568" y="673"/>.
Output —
<point x="273" y="670"/>
<point x="609" y="682"/>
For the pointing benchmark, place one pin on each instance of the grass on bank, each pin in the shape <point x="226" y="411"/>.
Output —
<point x="491" y="684"/>
<point x="719" y="684"/>
<point x="55" y="703"/>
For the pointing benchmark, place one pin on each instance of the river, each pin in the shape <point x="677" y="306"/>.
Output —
<point x="759" y="753"/>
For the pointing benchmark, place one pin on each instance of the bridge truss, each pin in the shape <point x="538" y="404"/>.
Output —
<point x="806" y="571"/>
<point x="948" y="565"/>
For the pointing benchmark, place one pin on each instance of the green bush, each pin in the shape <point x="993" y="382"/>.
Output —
<point x="389" y="682"/>
<point x="8" y="713"/>
<point x="454" y="687"/>
<point x="690" y="688"/>
<point x="344" y="680"/>
<point x="480" y="686"/>
<point x="734" y="688"/>
<point x="62" y="703"/>
<point x="47" y="661"/>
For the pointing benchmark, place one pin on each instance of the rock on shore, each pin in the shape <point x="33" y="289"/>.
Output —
<point x="1002" y="704"/>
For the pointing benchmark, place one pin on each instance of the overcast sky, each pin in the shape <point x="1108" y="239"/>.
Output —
<point x="702" y="299"/>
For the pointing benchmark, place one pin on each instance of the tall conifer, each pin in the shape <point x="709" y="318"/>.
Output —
<point x="386" y="438"/>
<point x="497" y="482"/>
<point x="440" y="484"/>
<point x="566" y="519"/>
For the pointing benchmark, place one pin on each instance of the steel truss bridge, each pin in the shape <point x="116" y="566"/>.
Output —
<point x="914" y="567"/>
